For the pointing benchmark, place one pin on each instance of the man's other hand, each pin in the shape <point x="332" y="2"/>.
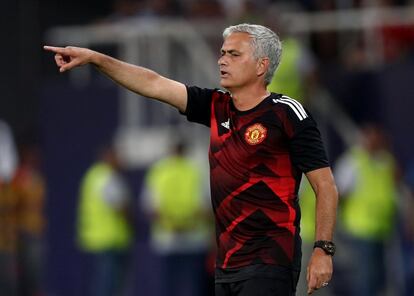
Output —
<point x="319" y="270"/>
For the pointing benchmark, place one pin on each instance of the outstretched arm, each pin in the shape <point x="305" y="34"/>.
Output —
<point x="137" y="79"/>
<point x="320" y="265"/>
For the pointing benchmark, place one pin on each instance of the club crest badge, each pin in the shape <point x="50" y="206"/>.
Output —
<point x="255" y="134"/>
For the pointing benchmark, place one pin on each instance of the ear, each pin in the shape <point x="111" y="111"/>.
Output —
<point x="262" y="66"/>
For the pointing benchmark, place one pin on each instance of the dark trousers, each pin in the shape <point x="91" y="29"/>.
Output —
<point x="369" y="272"/>
<point x="256" y="287"/>
<point x="184" y="275"/>
<point x="109" y="269"/>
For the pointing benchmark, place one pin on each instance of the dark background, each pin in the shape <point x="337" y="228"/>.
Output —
<point x="40" y="106"/>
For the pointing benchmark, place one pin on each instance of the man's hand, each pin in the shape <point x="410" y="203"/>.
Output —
<point x="138" y="79"/>
<point x="320" y="264"/>
<point x="319" y="270"/>
<point x="69" y="57"/>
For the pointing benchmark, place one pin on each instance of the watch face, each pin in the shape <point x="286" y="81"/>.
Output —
<point x="329" y="248"/>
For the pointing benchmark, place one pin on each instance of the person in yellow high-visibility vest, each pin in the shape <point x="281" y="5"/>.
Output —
<point x="366" y="179"/>
<point x="179" y="231"/>
<point x="295" y="75"/>
<point x="103" y="226"/>
<point x="407" y="240"/>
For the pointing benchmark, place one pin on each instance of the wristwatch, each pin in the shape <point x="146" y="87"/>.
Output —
<point x="328" y="246"/>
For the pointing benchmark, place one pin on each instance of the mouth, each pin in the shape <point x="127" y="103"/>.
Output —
<point x="223" y="74"/>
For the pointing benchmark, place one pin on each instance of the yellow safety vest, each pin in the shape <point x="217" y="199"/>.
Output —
<point x="175" y="185"/>
<point x="307" y="203"/>
<point x="287" y="79"/>
<point x="368" y="212"/>
<point x="100" y="227"/>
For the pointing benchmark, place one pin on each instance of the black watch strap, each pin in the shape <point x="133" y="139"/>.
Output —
<point x="328" y="246"/>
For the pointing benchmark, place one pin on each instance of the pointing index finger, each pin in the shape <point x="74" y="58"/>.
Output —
<point x="54" y="49"/>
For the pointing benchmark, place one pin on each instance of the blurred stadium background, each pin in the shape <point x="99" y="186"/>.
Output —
<point x="358" y="68"/>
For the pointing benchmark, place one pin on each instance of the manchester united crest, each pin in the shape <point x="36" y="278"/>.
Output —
<point x="255" y="134"/>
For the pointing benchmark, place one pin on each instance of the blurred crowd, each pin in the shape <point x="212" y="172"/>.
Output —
<point x="233" y="10"/>
<point x="22" y="220"/>
<point x="375" y="233"/>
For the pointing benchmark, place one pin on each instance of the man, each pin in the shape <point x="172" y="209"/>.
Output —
<point x="368" y="181"/>
<point x="260" y="144"/>
<point x="29" y="192"/>
<point x="104" y="229"/>
<point x="8" y="211"/>
<point x="180" y="236"/>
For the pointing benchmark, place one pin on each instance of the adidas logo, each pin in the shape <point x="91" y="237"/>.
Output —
<point x="226" y="124"/>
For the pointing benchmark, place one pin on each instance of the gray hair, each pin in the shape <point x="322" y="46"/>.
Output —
<point x="265" y="43"/>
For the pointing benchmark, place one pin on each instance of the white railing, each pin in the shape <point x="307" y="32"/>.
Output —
<point x="172" y="48"/>
<point x="185" y="52"/>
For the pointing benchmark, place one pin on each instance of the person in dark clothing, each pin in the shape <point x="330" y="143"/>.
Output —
<point x="261" y="143"/>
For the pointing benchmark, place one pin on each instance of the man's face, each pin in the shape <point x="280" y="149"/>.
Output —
<point x="238" y="66"/>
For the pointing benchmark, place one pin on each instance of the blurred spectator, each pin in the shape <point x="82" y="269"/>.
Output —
<point x="8" y="214"/>
<point x="296" y="75"/>
<point x="245" y="11"/>
<point x="123" y="9"/>
<point x="28" y="189"/>
<point x="354" y="83"/>
<point x="8" y="154"/>
<point x="315" y="5"/>
<point x="179" y="233"/>
<point x="129" y="9"/>
<point x="233" y="9"/>
<point x="408" y="233"/>
<point x="162" y="8"/>
<point x="104" y="229"/>
<point x="366" y="180"/>
<point x="204" y="9"/>
<point x="398" y="40"/>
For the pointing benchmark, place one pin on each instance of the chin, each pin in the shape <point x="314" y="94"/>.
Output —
<point x="225" y="84"/>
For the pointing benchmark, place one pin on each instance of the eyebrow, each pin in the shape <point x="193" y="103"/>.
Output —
<point x="230" y="51"/>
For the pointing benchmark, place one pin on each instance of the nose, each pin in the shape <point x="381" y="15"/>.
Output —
<point x="222" y="61"/>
